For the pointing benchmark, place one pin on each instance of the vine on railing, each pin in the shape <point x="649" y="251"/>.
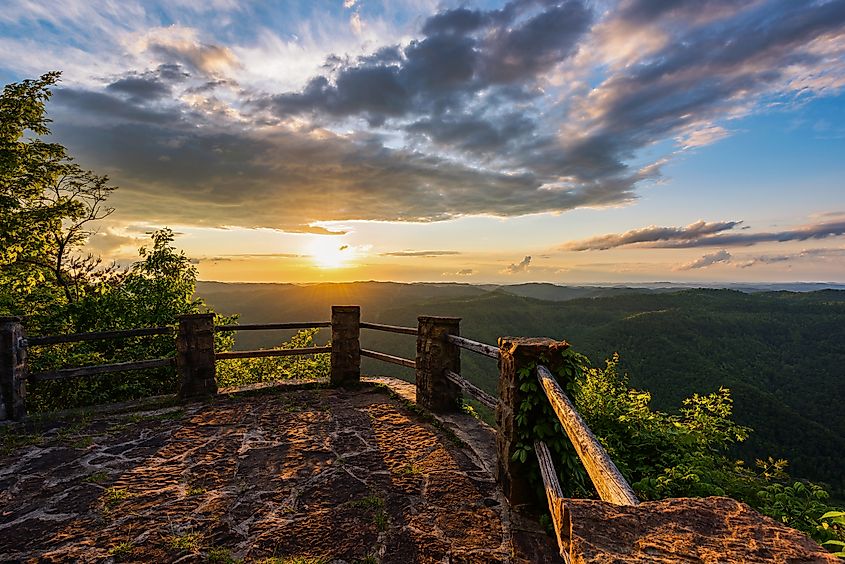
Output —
<point x="536" y="421"/>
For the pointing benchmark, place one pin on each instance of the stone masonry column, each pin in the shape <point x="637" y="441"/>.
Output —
<point x="435" y="355"/>
<point x="13" y="369"/>
<point x="195" y="360"/>
<point x="516" y="353"/>
<point x="346" y="345"/>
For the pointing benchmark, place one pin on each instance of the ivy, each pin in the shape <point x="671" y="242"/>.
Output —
<point x="536" y="421"/>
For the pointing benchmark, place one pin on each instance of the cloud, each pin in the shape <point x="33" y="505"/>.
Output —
<point x="722" y="256"/>
<point x="462" y="53"/>
<point x="420" y="253"/>
<point x="521" y="266"/>
<point x="182" y="45"/>
<point x="538" y="106"/>
<point x="702" y="234"/>
<point x="462" y="272"/>
<point x="822" y="230"/>
<point x="652" y="234"/>
<point x="819" y="254"/>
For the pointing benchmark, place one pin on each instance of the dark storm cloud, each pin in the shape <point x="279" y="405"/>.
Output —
<point x="701" y="234"/>
<point x="110" y="109"/>
<point x="140" y="87"/>
<point x="473" y="133"/>
<point x="645" y="12"/>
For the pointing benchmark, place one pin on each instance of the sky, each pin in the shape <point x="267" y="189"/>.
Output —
<point x="583" y="141"/>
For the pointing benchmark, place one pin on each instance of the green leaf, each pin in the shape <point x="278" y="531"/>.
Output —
<point x="834" y="543"/>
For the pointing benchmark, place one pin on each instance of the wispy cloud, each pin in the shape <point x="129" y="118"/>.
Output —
<point x="420" y="253"/>
<point x="702" y="234"/>
<point x="652" y="234"/>
<point x="722" y="256"/>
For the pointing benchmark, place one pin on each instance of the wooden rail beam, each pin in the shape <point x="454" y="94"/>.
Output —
<point x="273" y="326"/>
<point x="554" y="495"/>
<point x="272" y="352"/>
<point x="384" y="357"/>
<point x="474" y="346"/>
<point x="98" y="335"/>
<point x="389" y="328"/>
<point x="101" y="369"/>
<point x="606" y="477"/>
<point x="472" y="390"/>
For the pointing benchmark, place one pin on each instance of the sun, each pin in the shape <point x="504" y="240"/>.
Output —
<point x="327" y="252"/>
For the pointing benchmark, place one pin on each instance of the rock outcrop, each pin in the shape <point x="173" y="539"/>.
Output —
<point x="707" y="530"/>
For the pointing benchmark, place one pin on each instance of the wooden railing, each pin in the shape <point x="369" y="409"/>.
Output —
<point x="439" y="383"/>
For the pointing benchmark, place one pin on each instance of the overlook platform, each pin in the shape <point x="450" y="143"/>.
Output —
<point x="294" y="471"/>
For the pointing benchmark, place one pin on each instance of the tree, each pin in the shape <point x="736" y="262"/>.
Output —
<point x="47" y="207"/>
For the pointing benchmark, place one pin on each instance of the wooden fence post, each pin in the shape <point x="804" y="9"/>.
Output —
<point x="435" y="356"/>
<point x="13" y="369"/>
<point x="195" y="360"/>
<point x="346" y="345"/>
<point x="516" y="353"/>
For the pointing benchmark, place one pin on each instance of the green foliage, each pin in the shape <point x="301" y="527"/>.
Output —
<point x="48" y="209"/>
<point x="245" y="371"/>
<point x="687" y="454"/>
<point x="153" y="291"/>
<point x="536" y="420"/>
<point x="833" y="524"/>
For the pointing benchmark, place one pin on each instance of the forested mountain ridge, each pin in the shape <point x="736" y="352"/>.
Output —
<point x="782" y="354"/>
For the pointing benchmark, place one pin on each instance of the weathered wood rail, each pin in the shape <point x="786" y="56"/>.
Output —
<point x="439" y="382"/>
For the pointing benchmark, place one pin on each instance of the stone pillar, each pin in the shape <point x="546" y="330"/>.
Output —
<point x="516" y="353"/>
<point x="436" y="355"/>
<point x="346" y="345"/>
<point x="13" y="369"/>
<point x="195" y="360"/>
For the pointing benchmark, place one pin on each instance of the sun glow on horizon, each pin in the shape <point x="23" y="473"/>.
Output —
<point x="327" y="252"/>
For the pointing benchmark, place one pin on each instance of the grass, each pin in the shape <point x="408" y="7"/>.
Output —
<point x="122" y="550"/>
<point x="167" y="416"/>
<point x="410" y="468"/>
<point x="114" y="496"/>
<point x="221" y="555"/>
<point x="295" y="560"/>
<point x="187" y="541"/>
<point x="83" y="442"/>
<point x="96" y="477"/>
<point x="376" y="504"/>
<point x="11" y="441"/>
<point x="195" y="490"/>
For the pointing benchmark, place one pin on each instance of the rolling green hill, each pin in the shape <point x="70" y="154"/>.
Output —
<point x="781" y="353"/>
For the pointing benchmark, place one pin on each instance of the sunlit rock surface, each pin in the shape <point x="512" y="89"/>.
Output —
<point x="710" y="530"/>
<point x="320" y="473"/>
